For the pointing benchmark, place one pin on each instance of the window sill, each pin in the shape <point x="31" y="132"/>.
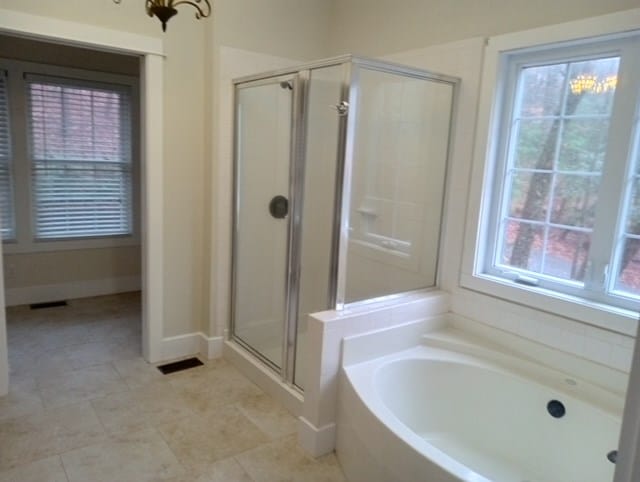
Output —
<point x="69" y="245"/>
<point x="596" y="314"/>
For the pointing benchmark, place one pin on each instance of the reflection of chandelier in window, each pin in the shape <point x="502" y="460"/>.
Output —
<point x="592" y="84"/>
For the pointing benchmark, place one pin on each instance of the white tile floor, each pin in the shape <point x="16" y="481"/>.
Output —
<point x="84" y="406"/>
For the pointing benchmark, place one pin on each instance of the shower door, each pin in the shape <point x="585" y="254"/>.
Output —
<point x="264" y="133"/>
<point x="288" y="132"/>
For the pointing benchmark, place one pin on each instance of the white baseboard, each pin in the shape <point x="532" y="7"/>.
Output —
<point x="316" y="441"/>
<point x="191" y="344"/>
<point x="211" y="346"/>
<point x="68" y="291"/>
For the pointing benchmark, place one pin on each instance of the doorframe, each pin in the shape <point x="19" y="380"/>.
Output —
<point x="151" y="52"/>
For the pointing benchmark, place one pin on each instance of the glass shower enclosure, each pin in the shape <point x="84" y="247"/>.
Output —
<point x="339" y="178"/>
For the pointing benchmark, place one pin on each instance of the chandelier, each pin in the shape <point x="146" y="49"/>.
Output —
<point x="165" y="9"/>
<point x="592" y="84"/>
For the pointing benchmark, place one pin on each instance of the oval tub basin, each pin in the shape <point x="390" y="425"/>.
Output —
<point x="436" y="415"/>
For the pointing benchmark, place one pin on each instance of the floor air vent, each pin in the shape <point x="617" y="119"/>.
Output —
<point x="47" y="304"/>
<point x="180" y="365"/>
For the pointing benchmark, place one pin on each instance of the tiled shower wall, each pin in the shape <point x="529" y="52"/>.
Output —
<point x="400" y="152"/>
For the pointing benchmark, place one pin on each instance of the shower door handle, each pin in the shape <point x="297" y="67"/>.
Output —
<point x="279" y="207"/>
<point x="342" y="108"/>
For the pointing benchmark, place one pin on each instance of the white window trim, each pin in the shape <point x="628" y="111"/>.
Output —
<point x="25" y="241"/>
<point x="8" y="161"/>
<point x="487" y="142"/>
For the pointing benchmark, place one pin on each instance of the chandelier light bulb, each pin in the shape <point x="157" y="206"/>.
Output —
<point x="592" y="84"/>
<point x="165" y="9"/>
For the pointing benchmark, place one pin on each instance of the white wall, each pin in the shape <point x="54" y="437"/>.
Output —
<point x="296" y="29"/>
<point x="185" y="160"/>
<point x="382" y="27"/>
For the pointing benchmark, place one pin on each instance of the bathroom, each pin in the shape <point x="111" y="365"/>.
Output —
<point x="192" y="240"/>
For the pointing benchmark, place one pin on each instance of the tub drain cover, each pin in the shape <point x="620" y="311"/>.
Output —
<point x="556" y="409"/>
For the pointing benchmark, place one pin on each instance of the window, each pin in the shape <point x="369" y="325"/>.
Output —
<point x="627" y="265"/>
<point x="7" y="227"/>
<point x="68" y="158"/>
<point x="565" y="208"/>
<point x="80" y="151"/>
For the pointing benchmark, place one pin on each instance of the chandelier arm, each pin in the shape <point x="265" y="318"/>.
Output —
<point x="147" y="5"/>
<point x="202" y="11"/>
<point x="165" y="9"/>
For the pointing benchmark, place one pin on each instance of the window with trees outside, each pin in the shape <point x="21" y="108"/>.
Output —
<point x="565" y="214"/>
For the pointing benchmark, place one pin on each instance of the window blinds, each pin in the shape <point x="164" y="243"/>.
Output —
<point x="7" y="226"/>
<point x="80" y="147"/>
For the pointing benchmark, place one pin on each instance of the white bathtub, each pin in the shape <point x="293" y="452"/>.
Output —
<point x="450" y="411"/>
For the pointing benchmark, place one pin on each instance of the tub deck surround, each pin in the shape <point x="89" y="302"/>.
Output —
<point x="326" y="330"/>
<point x="458" y="408"/>
<point x="475" y="336"/>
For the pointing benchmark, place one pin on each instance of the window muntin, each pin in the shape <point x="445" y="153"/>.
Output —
<point x="544" y="229"/>
<point x="626" y="279"/>
<point x="7" y="227"/>
<point x="80" y="149"/>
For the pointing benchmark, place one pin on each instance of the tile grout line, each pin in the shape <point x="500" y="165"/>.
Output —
<point x="166" y="442"/>
<point x="64" y="468"/>
<point x="187" y="471"/>
<point x="244" y="469"/>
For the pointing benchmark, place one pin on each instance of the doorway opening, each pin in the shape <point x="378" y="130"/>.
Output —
<point x="70" y="200"/>
<point x="149" y="54"/>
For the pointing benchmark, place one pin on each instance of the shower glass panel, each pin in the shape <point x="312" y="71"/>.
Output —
<point x="318" y="212"/>
<point x="339" y="185"/>
<point x="397" y="183"/>
<point x="263" y="140"/>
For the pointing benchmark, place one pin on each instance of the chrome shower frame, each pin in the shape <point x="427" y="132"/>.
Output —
<point x="347" y="109"/>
